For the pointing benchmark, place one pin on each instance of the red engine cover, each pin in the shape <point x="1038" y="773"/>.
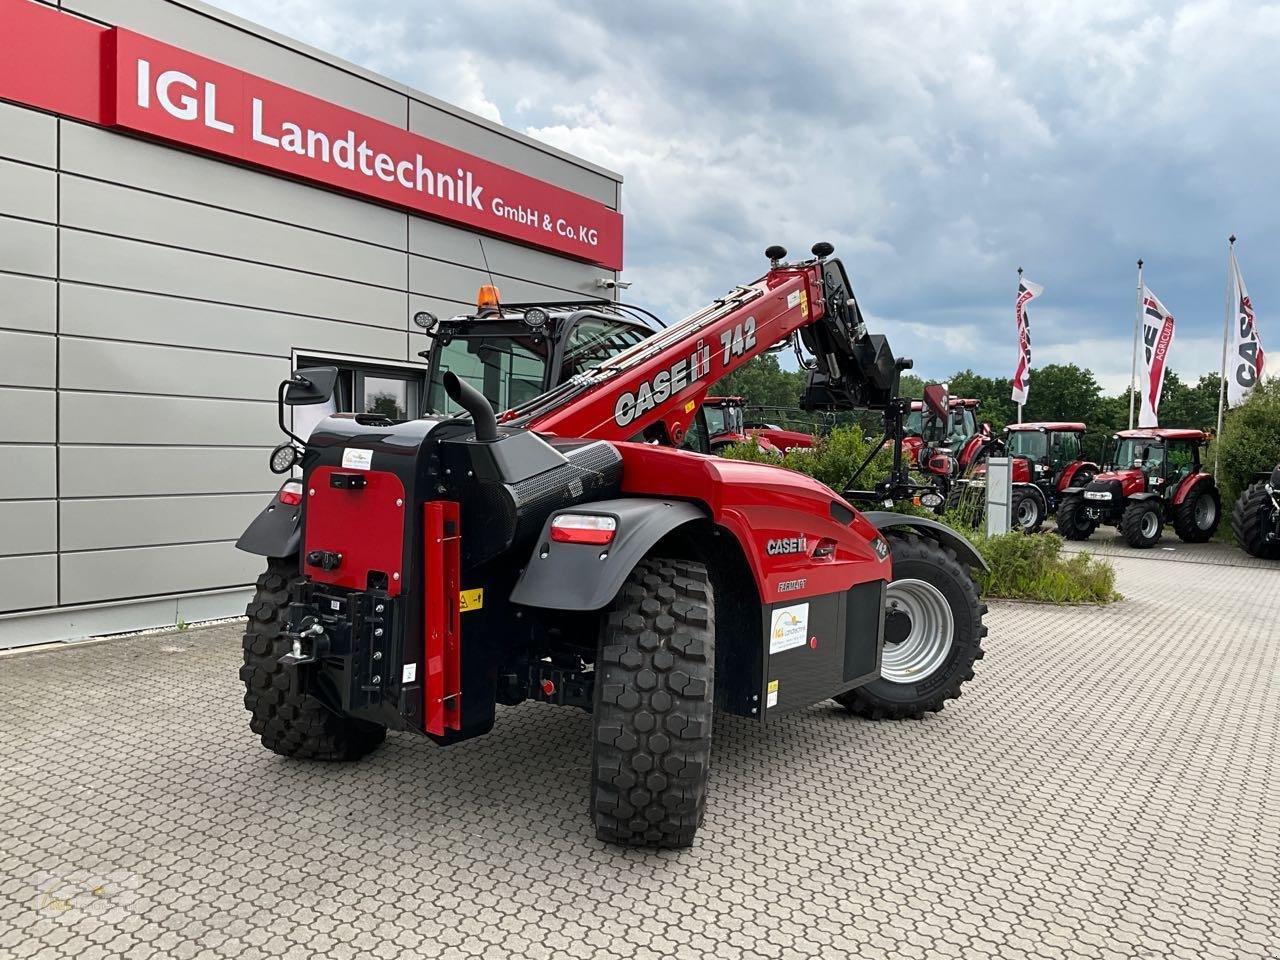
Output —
<point x="1132" y="480"/>
<point x="365" y="526"/>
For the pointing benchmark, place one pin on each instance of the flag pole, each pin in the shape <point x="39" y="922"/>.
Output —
<point x="1019" y="293"/>
<point x="1133" y="366"/>
<point x="1226" y="335"/>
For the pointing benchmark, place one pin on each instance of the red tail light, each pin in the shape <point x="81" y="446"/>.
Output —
<point x="291" y="494"/>
<point x="583" y="528"/>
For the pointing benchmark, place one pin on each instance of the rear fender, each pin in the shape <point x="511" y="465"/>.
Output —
<point x="1189" y="484"/>
<point x="580" y="576"/>
<point x="965" y="551"/>
<point x="276" y="531"/>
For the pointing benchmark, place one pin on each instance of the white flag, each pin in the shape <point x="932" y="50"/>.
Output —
<point x="1244" y="357"/>
<point x="1027" y="291"/>
<point x="1157" y="338"/>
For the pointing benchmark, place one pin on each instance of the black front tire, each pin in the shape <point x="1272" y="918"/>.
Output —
<point x="1072" y="523"/>
<point x="651" y="737"/>
<point x="1185" y="524"/>
<point x="1136" y="525"/>
<point x="917" y="558"/>
<point x="1252" y="519"/>
<point x="291" y="724"/>
<point x="1028" y="511"/>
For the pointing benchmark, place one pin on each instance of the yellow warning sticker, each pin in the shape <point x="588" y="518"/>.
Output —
<point x="689" y="407"/>
<point x="804" y="303"/>
<point x="772" y="699"/>
<point x="470" y="599"/>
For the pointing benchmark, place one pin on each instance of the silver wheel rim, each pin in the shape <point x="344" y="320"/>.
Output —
<point x="928" y="644"/>
<point x="1150" y="524"/>
<point x="1027" y="512"/>
<point x="1206" y="512"/>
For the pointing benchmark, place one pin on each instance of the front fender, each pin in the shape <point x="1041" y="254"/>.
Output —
<point x="965" y="551"/>
<point x="275" y="532"/>
<point x="573" y="576"/>
<point x="1036" y="492"/>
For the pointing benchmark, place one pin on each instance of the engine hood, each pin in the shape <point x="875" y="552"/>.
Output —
<point x="1131" y="480"/>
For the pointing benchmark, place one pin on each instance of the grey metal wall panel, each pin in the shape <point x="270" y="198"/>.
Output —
<point x="150" y="521"/>
<point x="28" y="472"/>
<point x="217" y="40"/>
<point x="28" y="303"/>
<point x="152" y="318"/>
<point x="27" y="135"/>
<point x="27" y="191"/>
<point x="27" y="247"/>
<point x="27" y="359"/>
<point x="128" y="419"/>
<point x="138" y="215"/>
<point x="99" y="471"/>
<point x="28" y="415"/>
<point x="475" y="138"/>
<point x="105" y="155"/>
<point x="28" y="526"/>
<point x="112" y="366"/>
<point x="452" y="282"/>
<point x="147" y="571"/>
<point x="116" y="262"/>
<point x="442" y="242"/>
<point x="27" y="582"/>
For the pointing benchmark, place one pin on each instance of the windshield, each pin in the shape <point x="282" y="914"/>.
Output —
<point x="1028" y="443"/>
<point x="722" y="420"/>
<point x="1128" y="450"/>
<point x="507" y="370"/>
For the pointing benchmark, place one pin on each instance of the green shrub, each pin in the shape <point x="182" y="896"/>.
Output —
<point x="833" y="458"/>
<point x="1250" y="441"/>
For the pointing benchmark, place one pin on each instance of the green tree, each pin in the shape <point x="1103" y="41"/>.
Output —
<point x="993" y="393"/>
<point x="1062" y="391"/>
<point x="762" y="382"/>
<point x="1250" y="441"/>
<point x="1194" y="405"/>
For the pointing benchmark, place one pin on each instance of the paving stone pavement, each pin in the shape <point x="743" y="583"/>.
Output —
<point x="1107" y="787"/>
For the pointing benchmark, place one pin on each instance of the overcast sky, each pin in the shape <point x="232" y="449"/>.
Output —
<point x="938" y="145"/>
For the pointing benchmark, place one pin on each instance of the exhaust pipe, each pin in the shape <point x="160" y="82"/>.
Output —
<point x="474" y="402"/>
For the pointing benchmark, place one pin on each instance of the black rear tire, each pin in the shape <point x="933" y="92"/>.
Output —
<point x="1027" y="511"/>
<point x="291" y="724"/>
<point x="651" y="738"/>
<point x="916" y="558"/>
<point x="1252" y="518"/>
<point x="1185" y="523"/>
<point x="1072" y="523"/>
<point x="1137" y="527"/>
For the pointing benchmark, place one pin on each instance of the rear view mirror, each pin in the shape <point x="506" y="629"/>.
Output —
<point x="936" y="400"/>
<point x="312" y="385"/>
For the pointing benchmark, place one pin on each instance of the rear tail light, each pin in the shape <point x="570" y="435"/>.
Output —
<point x="583" y="528"/>
<point x="291" y="494"/>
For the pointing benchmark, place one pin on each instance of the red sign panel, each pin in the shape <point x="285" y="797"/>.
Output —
<point x="115" y="77"/>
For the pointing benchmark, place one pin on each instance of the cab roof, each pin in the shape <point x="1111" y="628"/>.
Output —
<point x="954" y="403"/>
<point x="1060" y="426"/>
<point x="1161" y="433"/>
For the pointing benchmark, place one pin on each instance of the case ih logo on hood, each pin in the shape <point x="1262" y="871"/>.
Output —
<point x="785" y="545"/>
<point x="663" y="385"/>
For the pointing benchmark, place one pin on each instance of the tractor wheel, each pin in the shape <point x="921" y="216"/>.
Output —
<point x="1072" y="522"/>
<point x="1195" y="519"/>
<point x="1142" y="524"/>
<point x="291" y="724"/>
<point x="933" y="634"/>
<point x="1028" y="511"/>
<point x="651" y="749"/>
<point x="1252" y="519"/>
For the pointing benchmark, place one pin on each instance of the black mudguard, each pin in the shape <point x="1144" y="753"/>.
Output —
<point x="275" y="532"/>
<point x="965" y="551"/>
<point x="572" y="576"/>
<point x="1039" y="494"/>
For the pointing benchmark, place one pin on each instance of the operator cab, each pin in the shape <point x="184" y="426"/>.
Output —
<point x="961" y="424"/>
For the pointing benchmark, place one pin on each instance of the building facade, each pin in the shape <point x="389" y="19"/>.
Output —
<point x="163" y="264"/>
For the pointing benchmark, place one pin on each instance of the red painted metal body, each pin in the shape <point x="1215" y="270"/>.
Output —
<point x="441" y="581"/>
<point x="1187" y="484"/>
<point x="1132" y="480"/>
<point x="365" y="526"/>
<point x="782" y="440"/>
<point x="758" y="503"/>
<point x="1067" y="477"/>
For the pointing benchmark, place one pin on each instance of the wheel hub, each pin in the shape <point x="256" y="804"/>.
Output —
<point x="1206" y="512"/>
<point x="1026" y="513"/>
<point x="1150" y="523"/>
<point x="919" y="631"/>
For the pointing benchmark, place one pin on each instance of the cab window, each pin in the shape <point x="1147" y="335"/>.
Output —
<point x="507" y="370"/>
<point x="1064" y="448"/>
<point x="1181" y="459"/>
<point x="594" y="340"/>
<point x="1026" y="443"/>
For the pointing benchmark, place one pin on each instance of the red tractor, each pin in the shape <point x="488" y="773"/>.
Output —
<point x="1255" y="521"/>
<point x="726" y="424"/>
<point x="421" y="572"/>
<point x="1154" y="476"/>
<point x="1048" y="460"/>
<point x="924" y="428"/>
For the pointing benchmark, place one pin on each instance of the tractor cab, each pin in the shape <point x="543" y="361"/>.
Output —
<point x="1048" y="452"/>
<point x="725" y="421"/>
<point x="514" y="352"/>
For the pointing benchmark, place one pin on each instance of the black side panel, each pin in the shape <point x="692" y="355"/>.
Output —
<point x="275" y="532"/>
<point x="573" y="576"/>
<point x="863" y="632"/>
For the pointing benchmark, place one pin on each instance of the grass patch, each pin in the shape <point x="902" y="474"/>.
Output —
<point x="1033" y="567"/>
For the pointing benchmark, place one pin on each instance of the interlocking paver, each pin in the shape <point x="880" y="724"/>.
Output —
<point x="1105" y="788"/>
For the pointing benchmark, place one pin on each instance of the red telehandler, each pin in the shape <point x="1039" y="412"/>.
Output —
<point x="421" y="572"/>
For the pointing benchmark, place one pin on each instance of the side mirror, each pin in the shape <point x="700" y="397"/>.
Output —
<point x="312" y="385"/>
<point x="937" y="400"/>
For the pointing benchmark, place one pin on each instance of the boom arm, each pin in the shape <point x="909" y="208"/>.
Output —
<point x="665" y="378"/>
